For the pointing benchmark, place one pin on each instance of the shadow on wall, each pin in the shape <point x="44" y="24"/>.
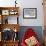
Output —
<point x="37" y="29"/>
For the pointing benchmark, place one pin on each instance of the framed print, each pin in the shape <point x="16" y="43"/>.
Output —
<point x="30" y="13"/>
<point x="5" y="12"/>
<point x="13" y="12"/>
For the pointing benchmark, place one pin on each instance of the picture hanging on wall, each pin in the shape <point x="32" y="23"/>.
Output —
<point x="29" y="13"/>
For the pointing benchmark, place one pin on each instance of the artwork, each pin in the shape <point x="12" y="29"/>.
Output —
<point x="5" y="12"/>
<point x="30" y="13"/>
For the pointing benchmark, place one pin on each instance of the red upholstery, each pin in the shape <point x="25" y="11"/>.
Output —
<point x="29" y="33"/>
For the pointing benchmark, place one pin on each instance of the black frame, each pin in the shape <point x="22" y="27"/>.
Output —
<point x="30" y="17"/>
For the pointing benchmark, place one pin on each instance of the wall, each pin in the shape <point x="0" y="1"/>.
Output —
<point x="27" y="4"/>
<point x="32" y="4"/>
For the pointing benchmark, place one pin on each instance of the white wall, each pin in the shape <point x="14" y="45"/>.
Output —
<point x="32" y="4"/>
<point x="27" y="4"/>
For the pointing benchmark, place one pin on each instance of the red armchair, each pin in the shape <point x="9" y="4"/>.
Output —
<point x="30" y="34"/>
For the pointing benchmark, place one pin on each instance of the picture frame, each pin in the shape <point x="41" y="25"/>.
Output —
<point x="5" y="12"/>
<point x="29" y="13"/>
<point x="13" y="12"/>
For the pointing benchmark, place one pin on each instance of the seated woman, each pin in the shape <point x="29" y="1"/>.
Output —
<point x="30" y="38"/>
